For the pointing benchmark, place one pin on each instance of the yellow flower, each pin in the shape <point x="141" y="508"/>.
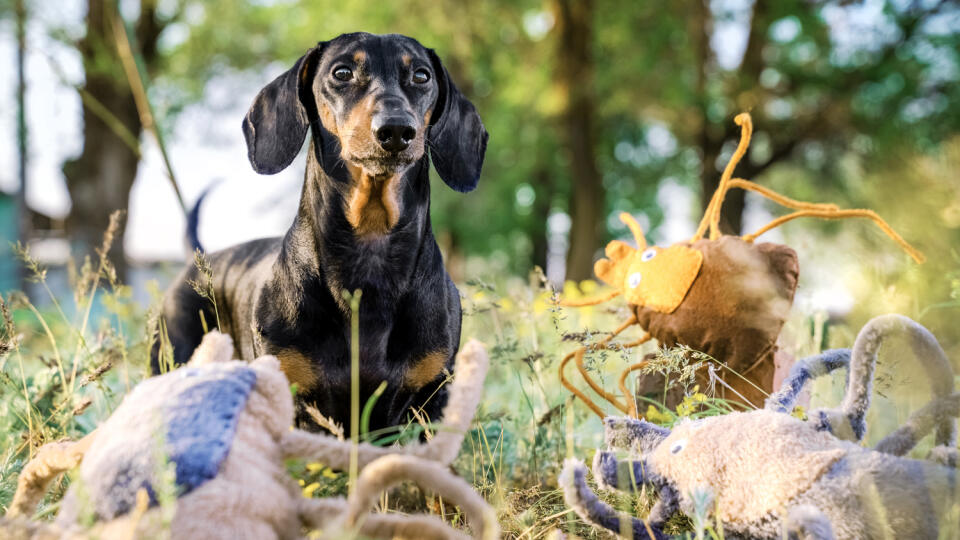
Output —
<point x="542" y="303"/>
<point x="308" y="491"/>
<point x="799" y="412"/>
<point x="328" y="473"/>
<point x="570" y="290"/>
<point x="589" y="287"/>
<point x="656" y="416"/>
<point x="315" y="467"/>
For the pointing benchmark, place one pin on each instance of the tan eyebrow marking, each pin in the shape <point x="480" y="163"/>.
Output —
<point x="406" y="58"/>
<point x="359" y="57"/>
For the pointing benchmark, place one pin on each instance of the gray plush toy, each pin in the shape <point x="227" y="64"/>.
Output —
<point x="768" y="474"/>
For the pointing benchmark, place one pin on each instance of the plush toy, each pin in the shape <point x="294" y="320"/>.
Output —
<point x="723" y="295"/>
<point x="221" y="430"/>
<point x="769" y="474"/>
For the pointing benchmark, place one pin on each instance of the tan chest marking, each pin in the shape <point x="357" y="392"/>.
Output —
<point x="297" y="368"/>
<point x="426" y="369"/>
<point x="372" y="205"/>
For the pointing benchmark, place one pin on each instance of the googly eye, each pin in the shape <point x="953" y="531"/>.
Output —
<point x="648" y="254"/>
<point x="678" y="446"/>
<point x="634" y="280"/>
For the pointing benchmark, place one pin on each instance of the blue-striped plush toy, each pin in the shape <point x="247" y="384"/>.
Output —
<point x="200" y="453"/>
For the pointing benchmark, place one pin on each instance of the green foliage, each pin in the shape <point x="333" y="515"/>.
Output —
<point x="824" y="80"/>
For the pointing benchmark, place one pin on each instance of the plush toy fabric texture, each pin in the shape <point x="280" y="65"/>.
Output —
<point x="238" y="440"/>
<point x="734" y="310"/>
<point x="768" y="474"/>
<point x="234" y="420"/>
<point x="187" y="417"/>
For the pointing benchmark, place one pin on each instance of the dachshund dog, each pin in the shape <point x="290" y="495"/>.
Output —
<point x="374" y="105"/>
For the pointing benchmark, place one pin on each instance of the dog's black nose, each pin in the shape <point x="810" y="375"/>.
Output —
<point x="395" y="136"/>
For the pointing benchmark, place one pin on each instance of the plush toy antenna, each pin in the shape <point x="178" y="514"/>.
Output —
<point x="635" y="229"/>
<point x="711" y="218"/>
<point x="914" y="253"/>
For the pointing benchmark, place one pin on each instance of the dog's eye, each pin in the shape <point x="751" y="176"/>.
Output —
<point x="421" y="76"/>
<point x="342" y="73"/>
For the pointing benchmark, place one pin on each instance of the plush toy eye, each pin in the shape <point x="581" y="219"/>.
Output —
<point x="634" y="280"/>
<point x="648" y="254"/>
<point x="343" y="73"/>
<point x="421" y="76"/>
<point x="678" y="446"/>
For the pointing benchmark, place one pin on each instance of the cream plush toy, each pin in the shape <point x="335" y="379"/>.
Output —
<point x="768" y="474"/>
<point x="223" y="430"/>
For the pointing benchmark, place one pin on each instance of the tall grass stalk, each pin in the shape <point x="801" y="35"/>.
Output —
<point x="354" y="300"/>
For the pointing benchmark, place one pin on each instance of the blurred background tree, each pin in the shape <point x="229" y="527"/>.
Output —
<point x="594" y="106"/>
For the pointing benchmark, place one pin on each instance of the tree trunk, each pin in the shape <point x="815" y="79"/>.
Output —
<point x="574" y="77"/>
<point x="543" y="186"/>
<point x="100" y="178"/>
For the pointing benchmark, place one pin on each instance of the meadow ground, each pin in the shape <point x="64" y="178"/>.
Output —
<point x="65" y="366"/>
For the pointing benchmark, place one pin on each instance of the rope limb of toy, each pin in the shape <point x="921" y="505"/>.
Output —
<point x="51" y="460"/>
<point x="391" y="470"/>
<point x="711" y="218"/>
<point x="464" y="398"/>
<point x="578" y="355"/>
<point x="426" y="464"/>
<point x="319" y="513"/>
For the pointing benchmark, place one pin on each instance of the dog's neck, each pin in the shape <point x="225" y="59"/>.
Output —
<point x="350" y="233"/>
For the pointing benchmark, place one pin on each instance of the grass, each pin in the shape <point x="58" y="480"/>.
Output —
<point x="66" y="366"/>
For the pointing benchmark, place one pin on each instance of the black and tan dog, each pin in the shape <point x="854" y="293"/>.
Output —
<point x="374" y="106"/>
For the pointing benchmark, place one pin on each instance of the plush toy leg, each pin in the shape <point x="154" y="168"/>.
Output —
<point x="630" y="476"/>
<point x="573" y="480"/>
<point x="849" y="420"/>
<point x="806" y="522"/>
<point x="925" y="348"/>
<point x="391" y="470"/>
<point x="802" y="372"/>
<point x="919" y="424"/>
<point x="51" y="460"/>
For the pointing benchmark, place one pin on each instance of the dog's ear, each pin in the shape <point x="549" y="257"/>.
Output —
<point x="456" y="137"/>
<point x="277" y="122"/>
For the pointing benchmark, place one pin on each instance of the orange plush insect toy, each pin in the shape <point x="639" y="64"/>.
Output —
<point x="723" y="295"/>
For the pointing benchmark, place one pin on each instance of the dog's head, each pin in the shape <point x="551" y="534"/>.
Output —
<point x="385" y="99"/>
